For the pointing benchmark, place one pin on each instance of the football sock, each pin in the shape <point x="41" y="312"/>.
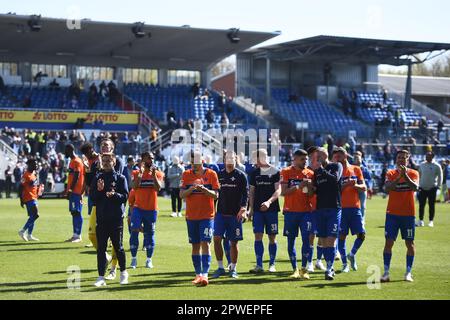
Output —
<point x="291" y="252"/>
<point x="259" y="252"/>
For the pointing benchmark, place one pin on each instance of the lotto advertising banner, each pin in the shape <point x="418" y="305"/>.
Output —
<point x="63" y="120"/>
<point x="68" y="117"/>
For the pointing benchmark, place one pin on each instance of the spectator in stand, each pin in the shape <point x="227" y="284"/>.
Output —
<point x="128" y="170"/>
<point x="170" y="117"/>
<point x="113" y="92"/>
<point x="209" y="117"/>
<point x="195" y="89"/>
<point x="440" y="126"/>
<point x="93" y="89"/>
<point x="221" y="102"/>
<point x="74" y="91"/>
<point x="38" y="76"/>
<point x="103" y="90"/>
<point x="8" y="181"/>
<point x="54" y="85"/>
<point x="329" y="144"/>
<point x="189" y="125"/>
<point x="388" y="152"/>
<point x="2" y="86"/>
<point x="383" y="179"/>
<point x="44" y="173"/>
<point x="224" y="121"/>
<point x="154" y="134"/>
<point x="92" y="99"/>
<point x="73" y="103"/>
<point x="174" y="174"/>
<point x="205" y="95"/>
<point x="17" y="173"/>
<point x="385" y="97"/>
<point x="27" y="102"/>
<point x="42" y="142"/>
<point x="430" y="174"/>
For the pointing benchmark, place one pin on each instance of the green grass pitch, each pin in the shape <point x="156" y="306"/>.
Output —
<point x="39" y="270"/>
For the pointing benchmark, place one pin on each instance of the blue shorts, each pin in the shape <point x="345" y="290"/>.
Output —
<point x="314" y="221"/>
<point x="145" y="217"/>
<point x="90" y="205"/>
<point x="328" y="221"/>
<point x="265" y="220"/>
<point x="351" y="219"/>
<point x="228" y="227"/>
<point x="32" y="207"/>
<point x="200" y="230"/>
<point x="293" y="221"/>
<point x="76" y="203"/>
<point x="405" y="224"/>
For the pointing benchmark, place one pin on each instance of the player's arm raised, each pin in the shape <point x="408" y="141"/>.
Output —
<point x="414" y="185"/>
<point x="138" y="177"/>
<point x="156" y="181"/>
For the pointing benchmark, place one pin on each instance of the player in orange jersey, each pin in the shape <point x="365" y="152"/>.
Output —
<point x="297" y="210"/>
<point x="352" y="181"/>
<point x="147" y="182"/>
<point x="75" y="190"/>
<point x="401" y="184"/>
<point x="199" y="187"/>
<point x="28" y="194"/>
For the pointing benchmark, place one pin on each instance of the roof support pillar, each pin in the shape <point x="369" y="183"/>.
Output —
<point x="268" y="82"/>
<point x="163" y="78"/>
<point x="408" y="89"/>
<point x="118" y="75"/>
<point x="205" y="77"/>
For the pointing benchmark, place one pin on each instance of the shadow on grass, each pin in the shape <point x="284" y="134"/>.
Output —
<point x="65" y="272"/>
<point x="330" y="284"/>
<point x="22" y="243"/>
<point x="23" y="287"/>
<point x="42" y="249"/>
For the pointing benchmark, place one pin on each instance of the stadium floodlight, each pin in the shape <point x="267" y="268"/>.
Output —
<point x="233" y="35"/>
<point x="35" y="23"/>
<point x="138" y="30"/>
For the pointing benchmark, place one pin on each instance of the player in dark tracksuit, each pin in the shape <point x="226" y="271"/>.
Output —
<point x="109" y="190"/>
<point x="327" y="187"/>
<point x="231" y="212"/>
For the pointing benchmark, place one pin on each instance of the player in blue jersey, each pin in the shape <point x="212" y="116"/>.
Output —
<point x="327" y="187"/>
<point x="231" y="212"/>
<point x="265" y="190"/>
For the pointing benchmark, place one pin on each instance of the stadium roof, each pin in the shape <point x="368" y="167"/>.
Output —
<point x="345" y="49"/>
<point x="421" y="86"/>
<point x="113" y="44"/>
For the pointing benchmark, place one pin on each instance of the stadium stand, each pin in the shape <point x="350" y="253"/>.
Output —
<point x="158" y="101"/>
<point x="50" y="98"/>
<point x="320" y="116"/>
<point x="371" y="107"/>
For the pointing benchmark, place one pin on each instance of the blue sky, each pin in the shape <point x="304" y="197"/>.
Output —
<point x="394" y="19"/>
